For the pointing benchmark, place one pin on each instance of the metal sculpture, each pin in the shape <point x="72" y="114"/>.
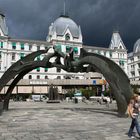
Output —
<point x="53" y="95"/>
<point x="116" y="77"/>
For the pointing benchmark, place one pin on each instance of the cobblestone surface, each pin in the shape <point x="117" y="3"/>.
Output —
<point x="64" y="121"/>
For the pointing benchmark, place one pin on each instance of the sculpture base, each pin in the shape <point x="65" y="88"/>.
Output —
<point x="53" y="101"/>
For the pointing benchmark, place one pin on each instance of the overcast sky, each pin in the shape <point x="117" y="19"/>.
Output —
<point x="30" y="19"/>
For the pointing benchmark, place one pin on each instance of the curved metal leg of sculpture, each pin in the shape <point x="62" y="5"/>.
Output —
<point x="120" y="100"/>
<point x="26" y="68"/>
<point x="11" y="87"/>
<point x="23" y="70"/>
<point x="14" y="82"/>
<point x="16" y="67"/>
<point x="115" y="76"/>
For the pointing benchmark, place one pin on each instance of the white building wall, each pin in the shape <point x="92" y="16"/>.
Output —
<point x="51" y="73"/>
<point x="1" y="32"/>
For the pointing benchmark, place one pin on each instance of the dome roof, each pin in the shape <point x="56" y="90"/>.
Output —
<point x="136" y="48"/>
<point x="62" y="23"/>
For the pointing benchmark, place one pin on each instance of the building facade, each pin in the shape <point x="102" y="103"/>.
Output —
<point x="134" y="64"/>
<point x="65" y="34"/>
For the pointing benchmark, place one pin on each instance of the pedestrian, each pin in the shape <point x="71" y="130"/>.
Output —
<point x="133" y="110"/>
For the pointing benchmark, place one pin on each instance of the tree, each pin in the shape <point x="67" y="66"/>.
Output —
<point x="135" y="89"/>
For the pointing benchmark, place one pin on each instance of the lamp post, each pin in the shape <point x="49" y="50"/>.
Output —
<point x="97" y="91"/>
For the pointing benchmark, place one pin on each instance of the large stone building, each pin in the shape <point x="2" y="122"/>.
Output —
<point x="65" y="34"/>
<point x="134" y="64"/>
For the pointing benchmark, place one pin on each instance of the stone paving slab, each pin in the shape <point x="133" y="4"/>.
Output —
<point x="64" y="121"/>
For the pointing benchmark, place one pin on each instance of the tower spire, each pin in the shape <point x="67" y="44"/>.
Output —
<point x="64" y="8"/>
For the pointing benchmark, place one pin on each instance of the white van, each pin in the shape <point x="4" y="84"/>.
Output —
<point x="37" y="98"/>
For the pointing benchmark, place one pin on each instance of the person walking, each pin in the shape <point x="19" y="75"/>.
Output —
<point x="133" y="110"/>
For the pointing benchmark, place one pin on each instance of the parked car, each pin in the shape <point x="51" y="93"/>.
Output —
<point x="37" y="98"/>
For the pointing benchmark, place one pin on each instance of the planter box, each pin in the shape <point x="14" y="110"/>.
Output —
<point x="1" y="108"/>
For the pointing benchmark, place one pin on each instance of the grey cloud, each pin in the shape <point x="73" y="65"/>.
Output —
<point x="97" y="18"/>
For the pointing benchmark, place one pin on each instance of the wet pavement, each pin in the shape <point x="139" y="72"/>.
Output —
<point x="64" y="121"/>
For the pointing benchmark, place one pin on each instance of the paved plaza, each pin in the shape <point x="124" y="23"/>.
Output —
<point x="64" y="121"/>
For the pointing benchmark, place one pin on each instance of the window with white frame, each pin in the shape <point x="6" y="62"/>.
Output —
<point x="30" y="76"/>
<point x="0" y="55"/>
<point x="46" y="77"/>
<point x="38" y="48"/>
<point x="13" y="56"/>
<point x="38" y="76"/>
<point x="30" y="47"/>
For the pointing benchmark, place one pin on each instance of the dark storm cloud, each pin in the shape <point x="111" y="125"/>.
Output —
<point x="97" y="18"/>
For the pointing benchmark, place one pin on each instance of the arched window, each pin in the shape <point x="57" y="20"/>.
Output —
<point x="58" y="70"/>
<point x="30" y="76"/>
<point x="58" y="77"/>
<point x="13" y="56"/>
<point x="46" y="69"/>
<point x="67" y="37"/>
<point x="46" y="77"/>
<point x="38" y="76"/>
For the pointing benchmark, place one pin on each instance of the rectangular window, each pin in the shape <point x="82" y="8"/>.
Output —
<point x="58" y="70"/>
<point x="132" y="66"/>
<point x="38" y="48"/>
<point x="68" y="49"/>
<point x="21" y="55"/>
<point x="58" y="77"/>
<point x="46" y="69"/>
<point x="38" y="76"/>
<point x="98" y="52"/>
<point x="75" y="50"/>
<point x="38" y="58"/>
<point x="30" y="47"/>
<point x="1" y="44"/>
<point x="0" y="54"/>
<point x="133" y="74"/>
<point x="46" y="77"/>
<point x="30" y="76"/>
<point x="58" y="46"/>
<point x="22" y="46"/>
<point x="110" y="54"/>
<point x="13" y="56"/>
<point x="132" y="59"/>
<point x="121" y="62"/>
<point x="13" y="45"/>
<point x="38" y="69"/>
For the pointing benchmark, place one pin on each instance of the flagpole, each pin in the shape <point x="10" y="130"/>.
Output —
<point x="64" y="7"/>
